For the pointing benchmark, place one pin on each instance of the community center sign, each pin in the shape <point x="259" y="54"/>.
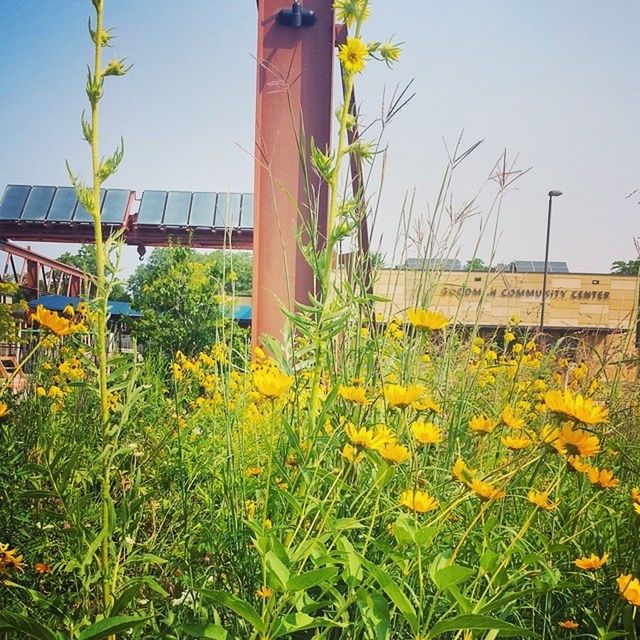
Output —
<point x="524" y="293"/>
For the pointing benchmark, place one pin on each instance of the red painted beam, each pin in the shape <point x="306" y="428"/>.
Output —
<point x="293" y="104"/>
<point x="27" y="254"/>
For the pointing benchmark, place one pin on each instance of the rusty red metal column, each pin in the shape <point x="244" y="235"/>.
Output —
<point x="293" y="104"/>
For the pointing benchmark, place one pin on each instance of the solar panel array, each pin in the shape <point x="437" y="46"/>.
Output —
<point x="171" y="209"/>
<point x="533" y="266"/>
<point x="200" y="209"/>
<point x="59" y="205"/>
<point x="440" y="264"/>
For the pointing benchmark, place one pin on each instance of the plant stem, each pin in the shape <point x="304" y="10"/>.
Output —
<point x="101" y="321"/>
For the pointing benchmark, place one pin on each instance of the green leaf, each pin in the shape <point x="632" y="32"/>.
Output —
<point x="450" y="576"/>
<point x="92" y="549"/>
<point x="374" y="610"/>
<point x="480" y="623"/>
<point x="395" y="593"/>
<point x="111" y="626"/>
<point x="294" y="622"/>
<point x="205" y="630"/>
<point x="28" y="627"/>
<point x="131" y="590"/>
<point x="628" y="623"/>
<point x="36" y="494"/>
<point x="149" y="558"/>
<point x="352" y="573"/>
<point x="237" y="605"/>
<point x="310" y="579"/>
<point x="277" y="569"/>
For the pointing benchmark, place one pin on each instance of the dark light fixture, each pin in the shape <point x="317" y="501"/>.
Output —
<point x="296" y="16"/>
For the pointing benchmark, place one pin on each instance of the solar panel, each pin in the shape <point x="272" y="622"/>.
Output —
<point x="152" y="207"/>
<point x="38" y="203"/>
<point x="246" y="213"/>
<point x="203" y="208"/>
<point x="176" y="213"/>
<point x="227" y="211"/>
<point x="13" y="201"/>
<point x="82" y="215"/>
<point x="114" y="206"/>
<point x="535" y="266"/>
<point x="440" y="264"/>
<point x="63" y="205"/>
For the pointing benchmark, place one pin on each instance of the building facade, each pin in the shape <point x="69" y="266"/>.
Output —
<point x="600" y="310"/>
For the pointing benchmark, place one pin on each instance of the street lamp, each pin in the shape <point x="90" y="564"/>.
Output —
<point x="552" y="194"/>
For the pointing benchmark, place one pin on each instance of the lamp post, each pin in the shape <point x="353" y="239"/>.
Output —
<point x="552" y="194"/>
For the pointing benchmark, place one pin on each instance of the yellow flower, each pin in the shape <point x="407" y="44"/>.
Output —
<point x="418" y="501"/>
<point x="577" y="442"/>
<point x="549" y="434"/>
<point x="55" y="392"/>
<point x="4" y="409"/>
<point x="351" y="454"/>
<point x="629" y="588"/>
<point x="424" y="319"/>
<point x="578" y="465"/>
<point x="353" y="55"/>
<point x="250" y="507"/>
<point x="401" y="397"/>
<point x="635" y="495"/>
<point x="10" y="560"/>
<point x="393" y="452"/>
<point x="389" y="52"/>
<point x="368" y="438"/>
<point x="271" y="382"/>
<point x="426" y="432"/>
<point x="569" y="624"/>
<point x="602" y="478"/>
<point x="68" y="311"/>
<point x="516" y="442"/>
<point x="592" y="562"/>
<point x="426" y="404"/>
<point x="510" y="419"/>
<point x="83" y="308"/>
<point x="486" y="491"/>
<point x="264" y="592"/>
<point x="583" y="410"/>
<point x="251" y="472"/>
<point x="54" y="322"/>
<point x="350" y="11"/>
<point x="541" y="499"/>
<point x="480" y="424"/>
<point x="461" y="472"/>
<point x="353" y="394"/>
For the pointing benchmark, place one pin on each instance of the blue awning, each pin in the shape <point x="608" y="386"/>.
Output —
<point x="58" y="303"/>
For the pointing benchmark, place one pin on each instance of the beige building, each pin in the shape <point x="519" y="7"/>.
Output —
<point x="601" y="309"/>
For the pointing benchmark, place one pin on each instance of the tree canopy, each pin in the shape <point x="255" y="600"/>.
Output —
<point x="181" y="294"/>
<point x="626" y="267"/>
<point x="476" y="264"/>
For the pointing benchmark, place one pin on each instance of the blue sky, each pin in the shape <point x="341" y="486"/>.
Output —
<point x="553" y="82"/>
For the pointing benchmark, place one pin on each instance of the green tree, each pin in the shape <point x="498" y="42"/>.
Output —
<point x="476" y="264"/>
<point x="626" y="267"/>
<point x="181" y="293"/>
<point x="85" y="260"/>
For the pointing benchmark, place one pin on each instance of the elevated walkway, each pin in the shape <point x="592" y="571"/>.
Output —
<point x="203" y="219"/>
